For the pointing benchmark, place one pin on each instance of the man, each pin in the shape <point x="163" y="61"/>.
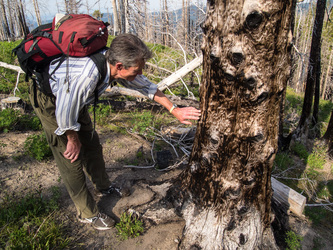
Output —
<point x="68" y="127"/>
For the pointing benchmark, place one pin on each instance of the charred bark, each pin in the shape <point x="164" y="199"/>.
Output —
<point x="284" y="142"/>
<point x="246" y="67"/>
<point x="328" y="136"/>
<point x="305" y="120"/>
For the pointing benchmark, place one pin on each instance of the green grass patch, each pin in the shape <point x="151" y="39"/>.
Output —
<point x="102" y="112"/>
<point x="8" y="119"/>
<point x="317" y="158"/>
<point x="129" y="226"/>
<point x="37" y="147"/>
<point x="29" y="122"/>
<point x="30" y="223"/>
<point x="319" y="216"/>
<point x="294" y="102"/>
<point x="283" y="161"/>
<point x="325" y="109"/>
<point x="144" y="122"/>
<point x="293" y="240"/>
<point x="300" y="150"/>
<point x="12" y="119"/>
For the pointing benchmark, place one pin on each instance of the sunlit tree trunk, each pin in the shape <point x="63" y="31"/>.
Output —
<point x="165" y="23"/>
<point x="327" y="76"/>
<point x="302" y="45"/>
<point x="115" y="17"/>
<point x="5" y="26"/>
<point x="147" y="26"/>
<point x="185" y="21"/>
<point x="38" y="19"/>
<point x="127" y="15"/>
<point x="121" y="10"/>
<point x="246" y="65"/>
<point x="24" y="30"/>
<point x="11" y="20"/>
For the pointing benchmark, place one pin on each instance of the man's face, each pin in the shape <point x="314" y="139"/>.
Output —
<point x="130" y="73"/>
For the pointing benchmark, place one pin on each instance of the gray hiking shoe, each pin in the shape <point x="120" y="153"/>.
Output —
<point x="100" y="221"/>
<point x="121" y="192"/>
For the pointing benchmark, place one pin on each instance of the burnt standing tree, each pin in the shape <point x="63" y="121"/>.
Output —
<point x="246" y="66"/>
<point x="302" y="130"/>
<point x="328" y="136"/>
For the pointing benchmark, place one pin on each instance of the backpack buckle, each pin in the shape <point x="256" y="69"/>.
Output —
<point x="46" y="34"/>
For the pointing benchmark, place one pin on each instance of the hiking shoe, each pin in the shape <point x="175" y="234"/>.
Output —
<point x="110" y="190"/>
<point x="100" y="221"/>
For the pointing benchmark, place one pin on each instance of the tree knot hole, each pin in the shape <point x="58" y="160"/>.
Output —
<point x="253" y="20"/>
<point x="237" y="58"/>
<point x="249" y="83"/>
<point x="242" y="239"/>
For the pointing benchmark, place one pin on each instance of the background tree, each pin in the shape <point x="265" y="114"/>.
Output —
<point x="6" y="31"/>
<point x="127" y="16"/>
<point x="165" y="22"/>
<point x="24" y="30"/>
<point x="11" y="20"/>
<point x="328" y="136"/>
<point x="97" y="14"/>
<point x="72" y="6"/>
<point x="185" y="20"/>
<point x="327" y="56"/>
<point x="116" y="27"/>
<point x="284" y="142"/>
<point x="246" y="66"/>
<point x="122" y="18"/>
<point x="38" y="18"/>
<point x="313" y="67"/>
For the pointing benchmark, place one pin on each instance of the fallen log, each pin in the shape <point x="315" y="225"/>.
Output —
<point x="162" y="85"/>
<point x="119" y="91"/>
<point x="288" y="198"/>
<point x="12" y="67"/>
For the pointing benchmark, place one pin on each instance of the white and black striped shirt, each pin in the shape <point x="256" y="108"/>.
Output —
<point x="83" y="77"/>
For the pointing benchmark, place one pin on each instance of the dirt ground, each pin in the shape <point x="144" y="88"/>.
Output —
<point x="21" y="174"/>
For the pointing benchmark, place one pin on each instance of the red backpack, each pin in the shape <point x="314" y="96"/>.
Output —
<point x="79" y="35"/>
<point x="73" y="35"/>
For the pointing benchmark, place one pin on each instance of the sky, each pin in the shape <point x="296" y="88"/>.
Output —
<point x="48" y="8"/>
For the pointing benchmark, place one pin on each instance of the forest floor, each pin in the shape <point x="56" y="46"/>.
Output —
<point x="21" y="174"/>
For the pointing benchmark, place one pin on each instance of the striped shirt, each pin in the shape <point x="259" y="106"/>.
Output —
<point x="83" y="77"/>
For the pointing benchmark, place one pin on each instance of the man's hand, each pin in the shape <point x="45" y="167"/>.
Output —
<point x="186" y="114"/>
<point x="73" y="146"/>
<point x="182" y="114"/>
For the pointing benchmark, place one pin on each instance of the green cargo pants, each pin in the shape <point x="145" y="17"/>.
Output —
<point x="90" y="160"/>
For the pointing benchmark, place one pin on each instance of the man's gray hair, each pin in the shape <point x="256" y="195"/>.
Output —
<point x="127" y="49"/>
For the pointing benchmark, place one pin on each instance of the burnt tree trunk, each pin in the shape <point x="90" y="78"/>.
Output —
<point x="302" y="129"/>
<point x="284" y="142"/>
<point x="315" y="113"/>
<point x="328" y="136"/>
<point x="246" y="66"/>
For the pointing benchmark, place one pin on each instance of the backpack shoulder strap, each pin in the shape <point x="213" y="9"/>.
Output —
<point x="100" y="62"/>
